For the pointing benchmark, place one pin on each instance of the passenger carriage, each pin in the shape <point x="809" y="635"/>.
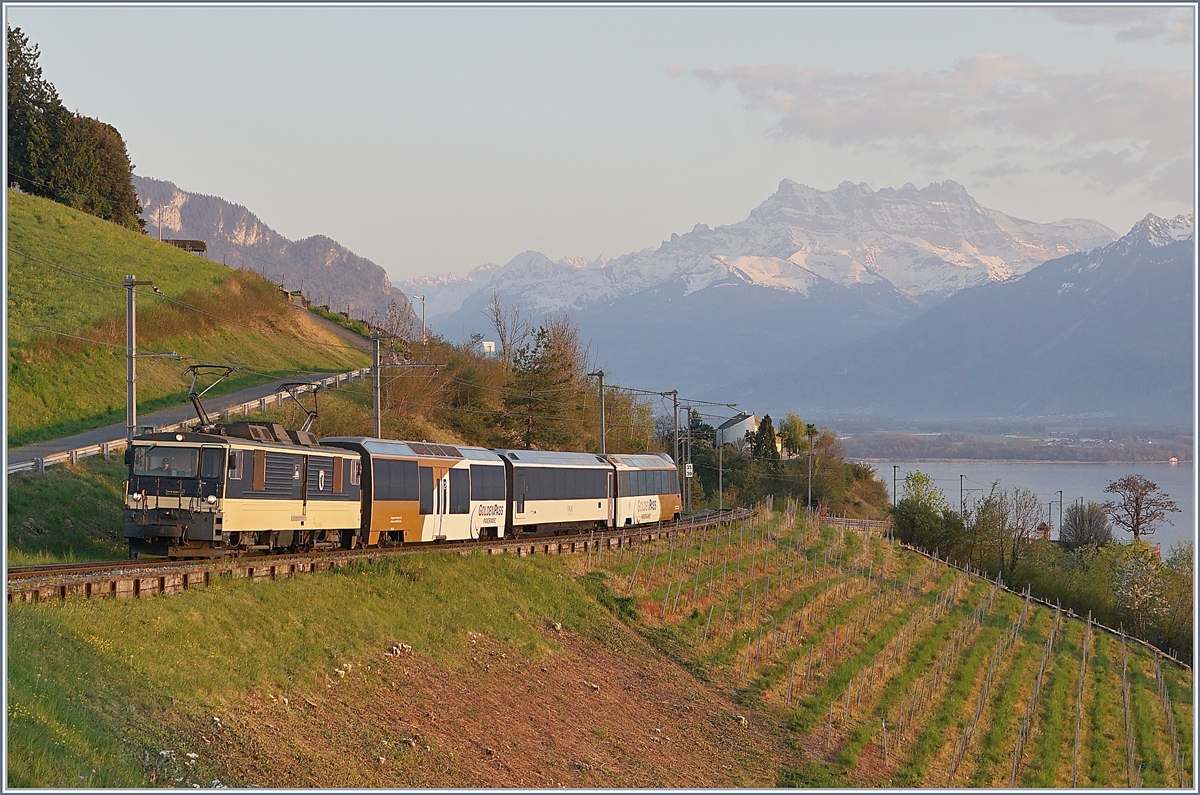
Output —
<point x="236" y="488"/>
<point x="416" y="491"/>
<point x="647" y="489"/>
<point x="557" y="492"/>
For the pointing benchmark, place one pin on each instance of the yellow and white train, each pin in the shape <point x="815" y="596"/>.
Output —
<point x="257" y="487"/>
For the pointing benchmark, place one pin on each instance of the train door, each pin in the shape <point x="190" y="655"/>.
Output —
<point x="610" y="496"/>
<point x="441" y="501"/>
<point x="212" y="469"/>
<point x="304" y="488"/>
<point x="519" y="489"/>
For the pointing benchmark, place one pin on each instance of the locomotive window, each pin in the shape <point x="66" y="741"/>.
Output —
<point x="355" y="473"/>
<point x="395" y="480"/>
<point x="487" y="483"/>
<point x="460" y="491"/>
<point x="235" y="465"/>
<point x="426" y="480"/>
<point x="210" y="463"/>
<point x="176" y="462"/>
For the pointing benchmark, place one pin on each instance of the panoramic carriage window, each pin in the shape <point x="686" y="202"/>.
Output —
<point x="487" y="483"/>
<point x="460" y="491"/>
<point x="395" y="480"/>
<point x="426" y="481"/>
<point x="176" y="462"/>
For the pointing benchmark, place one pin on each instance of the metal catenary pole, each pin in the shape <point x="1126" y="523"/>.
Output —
<point x="129" y="283"/>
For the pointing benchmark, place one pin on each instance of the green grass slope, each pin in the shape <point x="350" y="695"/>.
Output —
<point x="802" y="640"/>
<point x="64" y="274"/>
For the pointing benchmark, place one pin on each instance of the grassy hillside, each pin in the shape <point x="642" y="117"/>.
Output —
<point x="707" y="661"/>
<point x="64" y="276"/>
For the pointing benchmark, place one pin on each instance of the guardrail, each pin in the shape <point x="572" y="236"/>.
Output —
<point x="107" y="448"/>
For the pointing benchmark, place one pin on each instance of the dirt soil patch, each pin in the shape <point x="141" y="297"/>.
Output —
<point x="587" y="715"/>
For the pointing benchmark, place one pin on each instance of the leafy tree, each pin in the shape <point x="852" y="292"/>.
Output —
<point x="64" y="156"/>
<point x="1085" y="524"/>
<point x="795" y="434"/>
<point x="923" y="518"/>
<point x="763" y="446"/>
<point x="1139" y="505"/>
<point x="545" y="400"/>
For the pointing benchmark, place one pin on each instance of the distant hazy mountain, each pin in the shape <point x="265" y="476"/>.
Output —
<point x="1106" y="333"/>
<point x="806" y="271"/>
<point x="327" y="271"/>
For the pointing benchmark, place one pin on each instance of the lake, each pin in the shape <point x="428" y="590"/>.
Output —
<point x="1075" y="479"/>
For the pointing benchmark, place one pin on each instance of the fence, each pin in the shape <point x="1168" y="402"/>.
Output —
<point x="107" y="448"/>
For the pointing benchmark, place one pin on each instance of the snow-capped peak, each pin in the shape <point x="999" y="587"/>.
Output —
<point x="1160" y="232"/>
<point x="924" y="243"/>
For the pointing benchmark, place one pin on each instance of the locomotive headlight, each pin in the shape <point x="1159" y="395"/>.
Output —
<point x="212" y="499"/>
<point x="137" y="496"/>
<point x="179" y="437"/>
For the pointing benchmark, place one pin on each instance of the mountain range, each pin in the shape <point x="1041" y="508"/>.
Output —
<point x="807" y="271"/>
<point x="1104" y="333"/>
<point x="326" y="271"/>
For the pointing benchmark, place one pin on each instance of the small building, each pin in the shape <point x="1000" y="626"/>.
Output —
<point x="735" y="429"/>
<point x="194" y="246"/>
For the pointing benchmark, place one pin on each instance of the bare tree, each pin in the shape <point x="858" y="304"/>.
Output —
<point x="1085" y="525"/>
<point x="1006" y="522"/>
<point x="513" y="329"/>
<point x="1139" y="505"/>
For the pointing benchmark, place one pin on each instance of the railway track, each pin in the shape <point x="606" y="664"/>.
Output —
<point x="123" y="579"/>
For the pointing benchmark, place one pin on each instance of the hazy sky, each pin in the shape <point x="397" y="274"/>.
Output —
<point x="436" y="139"/>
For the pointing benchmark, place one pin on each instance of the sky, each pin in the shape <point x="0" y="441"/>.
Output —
<point x="436" y="139"/>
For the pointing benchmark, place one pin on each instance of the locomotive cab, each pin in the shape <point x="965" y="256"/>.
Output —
<point x="174" y="494"/>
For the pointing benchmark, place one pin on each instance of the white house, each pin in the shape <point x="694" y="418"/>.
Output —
<point x="734" y="430"/>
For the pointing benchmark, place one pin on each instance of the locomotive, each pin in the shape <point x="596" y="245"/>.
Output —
<point x="256" y="487"/>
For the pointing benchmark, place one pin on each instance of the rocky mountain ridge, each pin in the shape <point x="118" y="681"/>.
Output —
<point x="326" y="271"/>
<point x="925" y="244"/>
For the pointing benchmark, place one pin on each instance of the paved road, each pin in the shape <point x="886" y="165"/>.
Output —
<point x="164" y="417"/>
<point x="180" y="413"/>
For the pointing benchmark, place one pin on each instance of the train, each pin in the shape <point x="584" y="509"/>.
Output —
<point x="258" y="488"/>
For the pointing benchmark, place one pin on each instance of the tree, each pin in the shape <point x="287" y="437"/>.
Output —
<point x="513" y="329"/>
<point x="1139" y="505"/>
<point x="762" y="445"/>
<point x="794" y="432"/>
<point x="64" y="156"/>
<point x="1085" y="525"/>
<point x="546" y="398"/>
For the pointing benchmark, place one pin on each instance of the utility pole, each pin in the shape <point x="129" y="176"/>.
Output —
<point x="424" y="336"/>
<point x="720" y="476"/>
<point x="895" y="478"/>
<point x="961" y="510"/>
<point x="131" y="356"/>
<point x="600" y="374"/>
<point x="375" y="374"/>
<point x="674" y="393"/>
<point x="1060" y="513"/>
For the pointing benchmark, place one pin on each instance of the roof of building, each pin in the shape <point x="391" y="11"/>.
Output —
<point x="729" y="423"/>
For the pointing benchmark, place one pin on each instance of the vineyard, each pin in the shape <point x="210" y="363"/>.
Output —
<point x="891" y="669"/>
